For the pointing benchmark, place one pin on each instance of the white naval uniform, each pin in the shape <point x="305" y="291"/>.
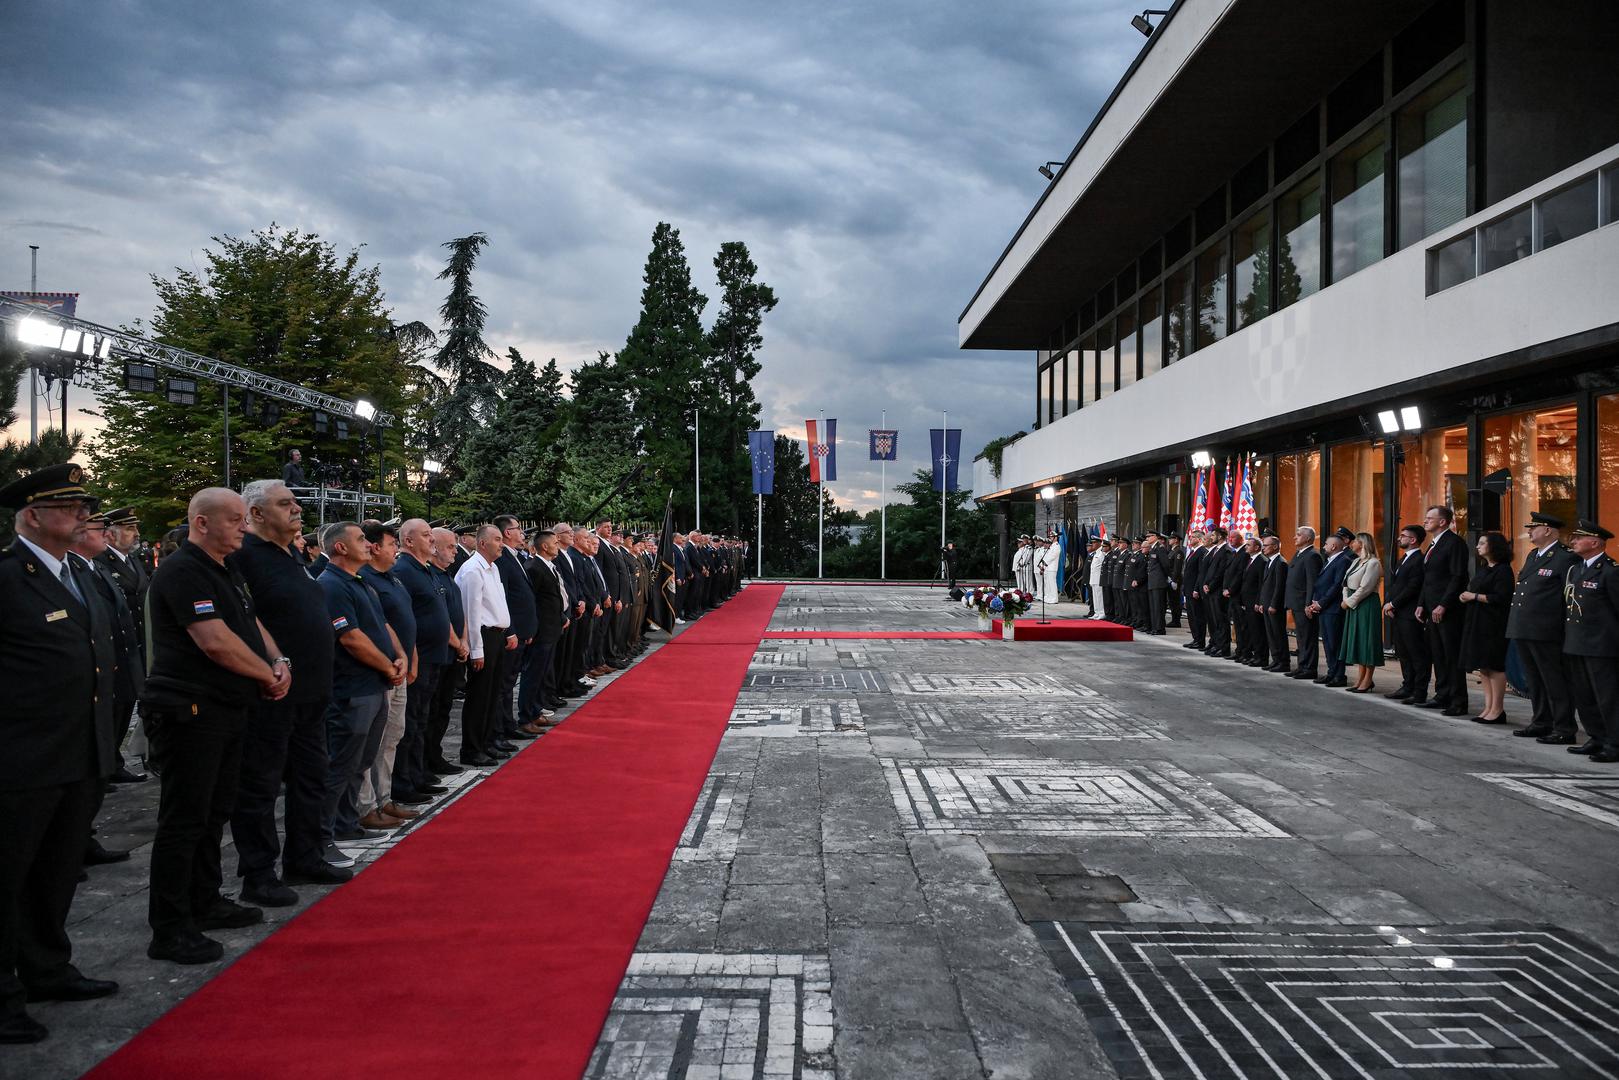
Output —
<point x="1098" y="593"/>
<point x="1020" y="567"/>
<point x="1051" y="567"/>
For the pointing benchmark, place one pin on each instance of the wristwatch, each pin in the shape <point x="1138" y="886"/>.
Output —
<point x="287" y="660"/>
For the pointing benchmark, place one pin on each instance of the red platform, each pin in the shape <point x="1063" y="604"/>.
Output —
<point x="1032" y="629"/>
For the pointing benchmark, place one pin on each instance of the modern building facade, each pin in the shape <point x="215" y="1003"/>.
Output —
<point x="1291" y="218"/>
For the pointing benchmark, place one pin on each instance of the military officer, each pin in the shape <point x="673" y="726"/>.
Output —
<point x="1536" y="624"/>
<point x="1591" y="639"/>
<point x="123" y="537"/>
<point x="57" y="664"/>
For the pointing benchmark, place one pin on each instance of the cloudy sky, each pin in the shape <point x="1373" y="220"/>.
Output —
<point x="875" y="158"/>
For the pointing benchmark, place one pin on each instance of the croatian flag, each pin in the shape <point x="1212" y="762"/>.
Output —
<point x="823" y="450"/>
<point x="762" y="450"/>
<point x="1226" y="515"/>
<point x="1199" y="503"/>
<point x="884" y="444"/>
<point x="1247" y="515"/>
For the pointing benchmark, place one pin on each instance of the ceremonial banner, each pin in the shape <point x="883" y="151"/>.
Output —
<point x="1211" y="500"/>
<point x="1247" y="515"/>
<point x="946" y="458"/>
<point x="884" y="444"/>
<point x="762" y="452"/>
<point x="1227" y="518"/>
<point x="57" y="303"/>
<point x="823" y="451"/>
<point x="1199" y="503"/>
<point x="664" y="613"/>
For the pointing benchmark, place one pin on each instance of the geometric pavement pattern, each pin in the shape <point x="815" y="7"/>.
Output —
<point x="703" y="1016"/>
<point x="715" y="826"/>
<point x="852" y="680"/>
<point x="366" y="852"/>
<point x="1057" y="798"/>
<point x="1593" y="797"/>
<point x="1082" y="720"/>
<point x="767" y="715"/>
<point x="1184" y="1000"/>
<point x="1002" y="685"/>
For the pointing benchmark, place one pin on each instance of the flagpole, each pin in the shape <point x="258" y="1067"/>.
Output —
<point x="697" y="464"/>
<point x="882" y="573"/>
<point x="760" y="529"/>
<point x="820" y="504"/>
<point x="944" y="481"/>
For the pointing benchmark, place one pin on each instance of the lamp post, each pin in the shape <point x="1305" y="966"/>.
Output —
<point x="432" y="468"/>
<point x="1047" y="493"/>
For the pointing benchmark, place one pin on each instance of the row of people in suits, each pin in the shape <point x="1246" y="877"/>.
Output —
<point x="1132" y="580"/>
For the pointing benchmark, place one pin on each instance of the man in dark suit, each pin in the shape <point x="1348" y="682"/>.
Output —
<point x="1273" y="603"/>
<point x="1301" y="576"/>
<point x="1119" y="582"/>
<point x="1591" y="640"/>
<point x="571" y="678"/>
<point x="1191" y="585"/>
<point x="1176" y="557"/>
<point x="1536" y="623"/>
<point x="1214" y="576"/>
<point x="520" y="602"/>
<point x="1135" y="583"/>
<point x="466" y="546"/>
<point x="1327" y="604"/>
<point x="1255" y="646"/>
<point x="57" y="664"/>
<point x="1402" y="599"/>
<point x="123" y="536"/>
<point x="552" y="606"/>
<point x="1444" y="576"/>
<point x="1160" y="563"/>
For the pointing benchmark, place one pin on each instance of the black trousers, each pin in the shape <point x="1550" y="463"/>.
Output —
<point x="1155" y="610"/>
<point x="410" y="758"/>
<point x="1174" y="599"/>
<point x="1595" y="680"/>
<point x="451" y="678"/>
<point x="1197" y="621"/>
<point x="1549" y="687"/>
<point x="1308" y="632"/>
<point x="198" y="752"/>
<point x="563" y="675"/>
<point x="1276" y="637"/>
<point x="1239" y="626"/>
<point x="1445" y="646"/>
<point x="284" y="745"/>
<point x="1219" y="623"/>
<point x="1411" y="646"/>
<point x="1332" y="638"/>
<point x="478" y="712"/>
<point x="531" y="696"/>
<point x="505" y="705"/>
<point x="1258" y="638"/>
<point x="41" y="854"/>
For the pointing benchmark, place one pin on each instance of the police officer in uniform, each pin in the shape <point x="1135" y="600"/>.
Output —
<point x="123" y="535"/>
<point x="1536" y="624"/>
<point x="1591" y="639"/>
<point x="57" y="665"/>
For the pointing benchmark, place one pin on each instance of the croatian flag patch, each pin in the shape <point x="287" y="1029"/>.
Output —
<point x="203" y="607"/>
<point x="340" y="623"/>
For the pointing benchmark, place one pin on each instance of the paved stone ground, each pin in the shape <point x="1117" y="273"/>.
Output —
<point x="942" y="859"/>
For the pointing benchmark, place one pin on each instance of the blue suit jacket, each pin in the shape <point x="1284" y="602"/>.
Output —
<point x="1329" y="584"/>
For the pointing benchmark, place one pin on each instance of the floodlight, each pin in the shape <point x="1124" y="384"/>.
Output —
<point x="1047" y="172"/>
<point x="181" y="391"/>
<point x="33" y="331"/>
<point x="343" y="428"/>
<point x="432" y="467"/>
<point x="270" y="413"/>
<point x="70" y="340"/>
<point x="1411" y="418"/>
<point x="88" y="345"/>
<point x="1202" y="459"/>
<point x="1048" y="492"/>
<point x="141" y="378"/>
<point x="106" y="348"/>
<point x="1389" y="421"/>
<point x="1143" y="23"/>
<point x="323" y="422"/>
<point x="364" y="409"/>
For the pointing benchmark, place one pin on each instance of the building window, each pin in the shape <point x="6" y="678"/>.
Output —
<point x="1128" y="361"/>
<point x="1356" y="498"/>
<point x="1607" y="458"/>
<point x="1259" y="480"/>
<point x="1178" y="310"/>
<point x="1128" y="526"/>
<point x="1357" y="206"/>
<point x="1431" y="134"/>
<point x="1211" y="295"/>
<point x="1177" y="500"/>
<point x="1432" y="471"/>
<point x="1105" y="361"/>
<point x="1541" y="450"/>
<point x="1042" y="408"/>
<point x="1060" y="402"/>
<point x="1568" y="213"/>
<point x="1152" y="332"/>
<point x="1298" y="255"/>
<point x="1251" y="277"/>
<point x="1610" y="196"/>
<point x="1298" y="495"/>
<point x="1087" y="370"/>
<point x="1509" y="239"/>
<point x="1452" y="263"/>
<point x="1076" y="365"/>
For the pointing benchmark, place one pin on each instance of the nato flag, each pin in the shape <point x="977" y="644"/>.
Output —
<point x="946" y="458"/>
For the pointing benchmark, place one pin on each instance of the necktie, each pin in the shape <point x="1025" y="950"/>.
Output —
<point x="72" y="585"/>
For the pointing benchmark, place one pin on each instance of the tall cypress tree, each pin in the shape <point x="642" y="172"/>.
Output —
<point x="463" y="356"/>
<point x="600" y="427"/>
<point x="729" y="369"/>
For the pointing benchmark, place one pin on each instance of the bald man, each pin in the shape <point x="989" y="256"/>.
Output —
<point x="414" y="567"/>
<point x="212" y="661"/>
<point x="453" y="675"/>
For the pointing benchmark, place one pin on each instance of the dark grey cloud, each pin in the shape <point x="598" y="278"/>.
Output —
<point x="874" y="157"/>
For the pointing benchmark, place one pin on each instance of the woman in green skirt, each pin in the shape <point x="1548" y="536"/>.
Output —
<point x="1363" y="608"/>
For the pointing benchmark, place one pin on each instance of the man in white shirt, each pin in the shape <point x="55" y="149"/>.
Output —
<point x="489" y="638"/>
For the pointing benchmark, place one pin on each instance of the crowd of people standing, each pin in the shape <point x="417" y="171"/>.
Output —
<point x="266" y="661"/>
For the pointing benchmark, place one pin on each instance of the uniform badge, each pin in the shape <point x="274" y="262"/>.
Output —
<point x="1546" y="572"/>
<point x="340" y="623"/>
<point x="56" y="616"/>
<point x="203" y="607"/>
<point x="1590" y="584"/>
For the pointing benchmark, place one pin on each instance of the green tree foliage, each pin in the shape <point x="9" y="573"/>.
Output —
<point x="599" y="442"/>
<point x="278" y="301"/>
<point x="730" y="409"/>
<point x="913" y="536"/>
<point x="514" y="464"/>
<point x="663" y="367"/>
<point x="463" y="356"/>
<point x="790" y="517"/>
<point x="20" y="457"/>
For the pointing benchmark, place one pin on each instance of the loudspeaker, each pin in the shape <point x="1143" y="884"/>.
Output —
<point x="1483" y="510"/>
<point x="1171" y="523"/>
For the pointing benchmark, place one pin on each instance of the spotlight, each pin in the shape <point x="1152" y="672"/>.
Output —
<point x="181" y="391"/>
<point x="1389" y="421"/>
<point x="432" y="467"/>
<point x="1143" y="22"/>
<point x="270" y="414"/>
<point x="106" y="348"/>
<point x="364" y="409"/>
<point x="1048" y="493"/>
<point x="31" y="331"/>
<point x="323" y="422"/>
<point x="70" y="340"/>
<point x="88" y="345"/>
<point x="1202" y="459"/>
<point x="140" y="378"/>
<point x="1047" y="172"/>
<point x="1411" y="418"/>
<point x="343" y="428"/>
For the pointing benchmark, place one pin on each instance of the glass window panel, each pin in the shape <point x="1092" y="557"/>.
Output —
<point x="1259" y="480"/>
<point x="1178" y="310"/>
<point x="1298" y="495"/>
<point x="1357" y="206"/>
<point x="1128" y="525"/>
<point x="1607" y="458"/>
<point x="1508" y="240"/>
<point x="1452" y="263"/>
<point x="1610" y="196"/>
<point x="1076" y="364"/>
<point x="1432" y="471"/>
<point x="1087" y="358"/>
<point x="1152" y="332"/>
<point x="1176" y="499"/>
<point x="1432" y="137"/>
<point x="1541" y="450"/>
<point x="1568" y="213"/>
<point x="1042" y="413"/>
<point x="1106" y="362"/>
<point x="1352" y="498"/>
<point x="1151" y="510"/>
<point x="1128" y="361"/>
<point x="1356" y="98"/>
<point x="1211" y="215"/>
<point x="1298" y="144"/>
<point x="1251" y="277"/>
<point x="1059" y="386"/>
<point x="1211" y="295"/>
<point x="1298" y="254"/>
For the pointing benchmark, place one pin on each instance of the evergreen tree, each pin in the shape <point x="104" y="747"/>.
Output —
<point x="913" y="536"/>
<point x="599" y="442"/>
<point x="278" y="301"/>
<point x="513" y="464"/>
<point x="790" y="514"/>
<point x="662" y="363"/>
<point x="463" y="356"/>
<point x="730" y="368"/>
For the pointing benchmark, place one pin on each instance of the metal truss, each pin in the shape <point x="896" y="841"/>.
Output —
<point x="133" y="347"/>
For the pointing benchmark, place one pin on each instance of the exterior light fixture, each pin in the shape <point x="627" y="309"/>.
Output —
<point x="1202" y="459"/>
<point x="1048" y="493"/>
<point x="39" y="332"/>
<point x="1389" y="421"/>
<point x="432" y="467"/>
<point x="1411" y="418"/>
<point x="181" y="391"/>
<point x="364" y="409"/>
<point x="1143" y="22"/>
<point x="1047" y="171"/>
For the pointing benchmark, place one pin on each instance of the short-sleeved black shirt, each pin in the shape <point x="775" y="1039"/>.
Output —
<point x="190" y="587"/>
<point x="430" y="606"/>
<point x="292" y="606"/>
<point x="353" y="605"/>
<point x="396" y="604"/>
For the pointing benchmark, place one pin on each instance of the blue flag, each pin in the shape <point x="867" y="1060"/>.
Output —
<point x="946" y="458"/>
<point x="884" y="444"/>
<point x="762" y="450"/>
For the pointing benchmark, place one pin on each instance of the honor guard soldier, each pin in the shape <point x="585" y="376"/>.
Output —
<point x="1591" y="639"/>
<point x="57" y="665"/>
<point x="1536" y="624"/>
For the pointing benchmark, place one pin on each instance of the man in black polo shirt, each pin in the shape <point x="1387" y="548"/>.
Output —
<point x="453" y="675"/>
<point x="286" y="739"/>
<point x="428" y="604"/>
<point x="212" y="660"/>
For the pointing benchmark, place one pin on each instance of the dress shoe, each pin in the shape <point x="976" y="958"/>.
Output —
<point x="96" y="855"/>
<point x="1398" y="693"/>
<point x="523" y="734"/>
<point x="318" y="873"/>
<point x="1490" y="720"/>
<point x="185" y="947"/>
<point x="1454" y="711"/>
<point x="125" y="776"/>
<point x="1555" y="739"/>
<point x="21" y="1028"/>
<point x="351" y="835"/>
<point x="498" y="754"/>
<point x="1431" y="703"/>
<point x="78" y="988"/>
<point x="332" y="856"/>
<point x="477" y="761"/>
<point x="1361" y="690"/>
<point x="431" y="789"/>
<point x="393" y="809"/>
<point x="1322" y="679"/>
<point x="1335" y="682"/>
<point x="409" y="797"/>
<point x="531" y="730"/>
<point x="380" y="820"/>
<point x="1589" y="746"/>
<point x="1605" y="756"/>
<point x="443" y="768"/>
<point x="269" y="892"/>
<point x="1191" y="644"/>
<point x="225" y="914"/>
<point x="1533" y="731"/>
<point x="504" y="746"/>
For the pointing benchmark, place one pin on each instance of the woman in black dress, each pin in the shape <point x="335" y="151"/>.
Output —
<point x="1484" y="633"/>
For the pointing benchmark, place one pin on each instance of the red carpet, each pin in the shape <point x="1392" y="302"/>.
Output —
<point x="886" y="635"/>
<point x="1028" y="629"/>
<point x="490" y="942"/>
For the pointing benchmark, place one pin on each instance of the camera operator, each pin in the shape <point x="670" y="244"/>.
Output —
<point x="292" y="473"/>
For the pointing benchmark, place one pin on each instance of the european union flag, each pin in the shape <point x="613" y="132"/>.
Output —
<point x="884" y="444"/>
<point x="762" y="452"/>
<point x="946" y="458"/>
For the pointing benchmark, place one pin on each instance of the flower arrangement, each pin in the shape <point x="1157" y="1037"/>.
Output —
<point x="998" y="603"/>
